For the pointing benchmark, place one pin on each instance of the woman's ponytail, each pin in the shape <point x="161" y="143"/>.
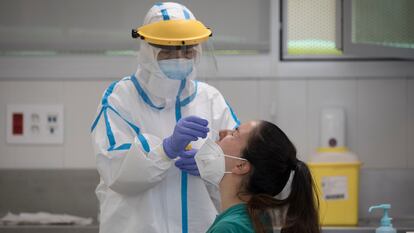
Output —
<point x="302" y="214"/>
<point x="273" y="158"/>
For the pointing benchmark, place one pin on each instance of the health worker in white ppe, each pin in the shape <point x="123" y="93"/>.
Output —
<point x="149" y="179"/>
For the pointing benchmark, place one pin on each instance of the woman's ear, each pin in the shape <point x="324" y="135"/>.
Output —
<point x="241" y="168"/>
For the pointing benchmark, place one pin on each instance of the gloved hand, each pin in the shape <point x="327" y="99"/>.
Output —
<point x="187" y="163"/>
<point x="186" y="130"/>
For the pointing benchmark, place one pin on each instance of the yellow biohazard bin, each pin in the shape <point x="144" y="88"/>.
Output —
<point x="336" y="174"/>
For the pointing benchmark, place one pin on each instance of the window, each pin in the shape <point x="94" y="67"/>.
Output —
<point x="379" y="28"/>
<point x="311" y="28"/>
<point x="344" y="29"/>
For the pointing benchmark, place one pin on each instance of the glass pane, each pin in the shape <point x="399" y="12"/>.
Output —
<point x="104" y="26"/>
<point x="383" y="22"/>
<point x="311" y="27"/>
<point x="239" y="26"/>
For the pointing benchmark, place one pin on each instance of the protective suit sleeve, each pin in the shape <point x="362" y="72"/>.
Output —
<point x="128" y="161"/>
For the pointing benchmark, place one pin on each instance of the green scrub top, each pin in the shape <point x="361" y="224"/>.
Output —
<point x="234" y="220"/>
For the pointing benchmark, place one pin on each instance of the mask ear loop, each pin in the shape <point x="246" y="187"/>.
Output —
<point x="234" y="157"/>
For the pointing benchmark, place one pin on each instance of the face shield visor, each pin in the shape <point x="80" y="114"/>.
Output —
<point x="180" y="48"/>
<point x="207" y="67"/>
<point x="188" y="61"/>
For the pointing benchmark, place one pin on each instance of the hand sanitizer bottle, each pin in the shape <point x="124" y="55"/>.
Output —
<point x="386" y="226"/>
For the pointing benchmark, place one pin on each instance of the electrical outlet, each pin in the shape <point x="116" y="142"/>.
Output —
<point x="35" y="124"/>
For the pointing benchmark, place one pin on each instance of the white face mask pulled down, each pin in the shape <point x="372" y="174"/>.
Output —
<point x="210" y="162"/>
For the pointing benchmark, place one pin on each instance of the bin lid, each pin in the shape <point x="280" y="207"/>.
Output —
<point x="334" y="155"/>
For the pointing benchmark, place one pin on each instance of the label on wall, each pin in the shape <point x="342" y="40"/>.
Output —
<point x="335" y="187"/>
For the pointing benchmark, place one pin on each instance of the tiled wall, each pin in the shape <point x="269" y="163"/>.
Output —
<point x="379" y="112"/>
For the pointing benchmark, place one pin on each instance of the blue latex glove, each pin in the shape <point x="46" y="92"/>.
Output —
<point x="187" y="163"/>
<point x="186" y="130"/>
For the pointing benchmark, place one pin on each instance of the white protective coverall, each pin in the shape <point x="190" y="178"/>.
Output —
<point x="141" y="190"/>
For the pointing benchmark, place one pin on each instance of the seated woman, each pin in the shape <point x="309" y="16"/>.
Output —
<point x="252" y="165"/>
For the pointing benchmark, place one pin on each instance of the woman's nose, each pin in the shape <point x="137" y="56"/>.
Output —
<point x="224" y="133"/>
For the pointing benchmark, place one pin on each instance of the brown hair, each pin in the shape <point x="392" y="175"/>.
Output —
<point x="273" y="157"/>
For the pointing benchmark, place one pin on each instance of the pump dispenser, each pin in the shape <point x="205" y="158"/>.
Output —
<point x="386" y="226"/>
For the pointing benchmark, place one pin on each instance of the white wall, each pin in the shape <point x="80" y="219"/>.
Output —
<point x="378" y="98"/>
<point x="380" y="116"/>
<point x="80" y="100"/>
<point x="379" y="113"/>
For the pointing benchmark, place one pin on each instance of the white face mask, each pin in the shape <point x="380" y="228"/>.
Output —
<point x="210" y="162"/>
<point x="177" y="69"/>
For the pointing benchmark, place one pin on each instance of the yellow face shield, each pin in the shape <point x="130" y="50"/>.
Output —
<point x="173" y="32"/>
